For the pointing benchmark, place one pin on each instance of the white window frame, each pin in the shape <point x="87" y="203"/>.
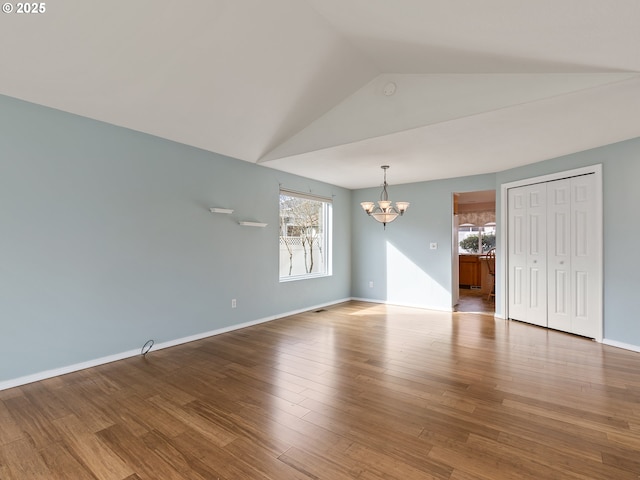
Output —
<point x="326" y="252"/>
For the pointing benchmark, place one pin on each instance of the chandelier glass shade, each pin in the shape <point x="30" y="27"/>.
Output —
<point x="385" y="212"/>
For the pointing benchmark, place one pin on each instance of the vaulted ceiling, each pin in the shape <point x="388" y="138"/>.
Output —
<point x="332" y="89"/>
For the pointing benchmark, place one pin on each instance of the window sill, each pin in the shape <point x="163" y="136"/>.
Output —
<point x="295" y="278"/>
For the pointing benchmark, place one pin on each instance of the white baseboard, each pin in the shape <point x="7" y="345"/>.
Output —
<point x="626" y="346"/>
<point x="36" y="377"/>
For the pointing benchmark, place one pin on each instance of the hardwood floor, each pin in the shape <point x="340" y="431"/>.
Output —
<point x="356" y="391"/>
<point x="473" y="301"/>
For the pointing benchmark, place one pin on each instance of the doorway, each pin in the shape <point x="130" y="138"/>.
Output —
<point x="474" y="237"/>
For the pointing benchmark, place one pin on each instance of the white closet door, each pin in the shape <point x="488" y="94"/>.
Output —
<point x="554" y="252"/>
<point x="537" y="254"/>
<point x="572" y="259"/>
<point x="559" y="254"/>
<point x="554" y="244"/>
<point x="585" y="245"/>
<point x="527" y="254"/>
<point x="517" y="258"/>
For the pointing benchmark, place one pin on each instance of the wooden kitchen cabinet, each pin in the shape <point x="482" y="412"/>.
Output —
<point x="470" y="275"/>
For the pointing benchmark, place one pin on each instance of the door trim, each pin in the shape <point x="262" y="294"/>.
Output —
<point x="502" y="257"/>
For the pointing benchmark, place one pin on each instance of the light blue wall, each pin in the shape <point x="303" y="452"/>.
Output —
<point x="621" y="197"/>
<point x="398" y="260"/>
<point x="106" y="241"/>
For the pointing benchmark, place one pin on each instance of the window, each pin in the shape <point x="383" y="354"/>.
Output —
<point x="474" y="239"/>
<point x="305" y="233"/>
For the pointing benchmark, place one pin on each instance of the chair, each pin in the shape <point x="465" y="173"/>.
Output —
<point x="490" y="258"/>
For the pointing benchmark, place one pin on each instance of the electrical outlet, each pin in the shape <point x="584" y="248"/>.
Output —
<point x="433" y="246"/>
<point x="233" y="303"/>
<point x="371" y="284"/>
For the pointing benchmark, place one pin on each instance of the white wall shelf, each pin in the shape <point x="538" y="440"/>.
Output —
<point x="227" y="211"/>
<point x="253" y="224"/>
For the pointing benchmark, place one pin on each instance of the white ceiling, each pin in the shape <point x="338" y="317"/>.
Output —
<point x="299" y="85"/>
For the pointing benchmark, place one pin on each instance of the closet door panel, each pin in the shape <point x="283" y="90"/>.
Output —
<point x="536" y="239"/>
<point x="559" y="254"/>
<point x="517" y="258"/>
<point x="527" y="254"/>
<point x="585" y="242"/>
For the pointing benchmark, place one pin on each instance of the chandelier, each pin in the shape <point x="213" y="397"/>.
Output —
<point x="385" y="212"/>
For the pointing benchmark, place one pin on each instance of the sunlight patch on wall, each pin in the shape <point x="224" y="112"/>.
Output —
<point x="408" y="284"/>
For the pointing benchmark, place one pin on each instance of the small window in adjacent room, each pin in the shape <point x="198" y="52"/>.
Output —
<point x="305" y="236"/>
<point x="476" y="240"/>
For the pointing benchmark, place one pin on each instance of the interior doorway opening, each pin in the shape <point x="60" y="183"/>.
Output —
<point x="474" y="241"/>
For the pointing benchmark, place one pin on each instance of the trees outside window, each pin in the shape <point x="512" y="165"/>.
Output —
<point x="305" y="224"/>
<point x="475" y="240"/>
